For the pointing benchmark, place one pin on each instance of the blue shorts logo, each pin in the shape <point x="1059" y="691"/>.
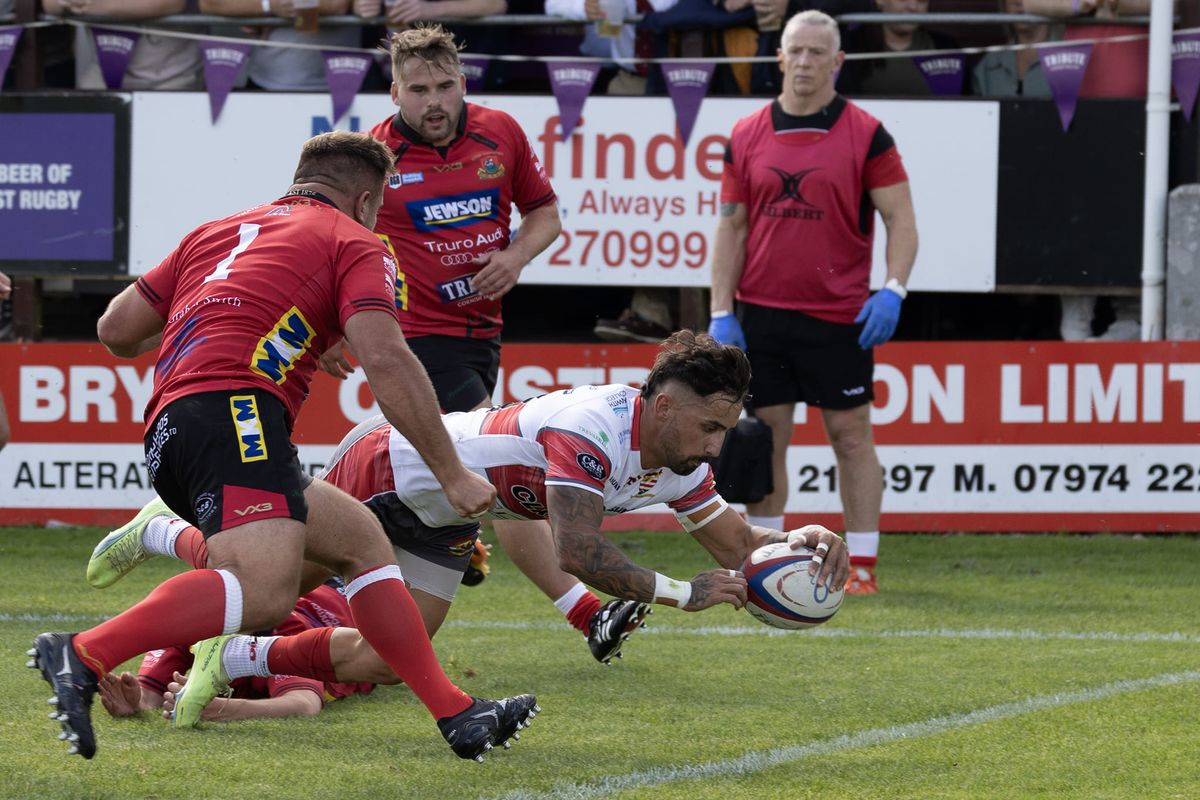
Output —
<point x="252" y="444"/>
<point x="454" y="211"/>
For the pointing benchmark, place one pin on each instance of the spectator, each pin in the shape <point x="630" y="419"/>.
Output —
<point x="803" y="178"/>
<point x="403" y="13"/>
<point x="157" y="62"/>
<point x="631" y="43"/>
<point x="288" y="68"/>
<point x="1016" y="71"/>
<point x="1115" y="69"/>
<point x="890" y="76"/>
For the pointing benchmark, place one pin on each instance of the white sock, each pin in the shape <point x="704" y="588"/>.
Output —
<point x="233" y="601"/>
<point x="863" y="543"/>
<point x="160" y="535"/>
<point x="246" y="656"/>
<point x="565" y="603"/>
<point x="774" y="523"/>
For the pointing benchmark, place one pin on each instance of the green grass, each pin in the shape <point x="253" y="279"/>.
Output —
<point x="989" y="667"/>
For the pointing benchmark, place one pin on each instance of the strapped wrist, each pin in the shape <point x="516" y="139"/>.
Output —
<point x="720" y="314"/>
<point x="895" y="285"/>
<point x="670" y="592"/>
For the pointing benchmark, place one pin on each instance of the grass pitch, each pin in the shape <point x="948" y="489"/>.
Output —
<point x="988" y="667"/>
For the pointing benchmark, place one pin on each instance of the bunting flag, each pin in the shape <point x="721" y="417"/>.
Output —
<point x="223" y="62"/>
<point x="113" y="51"/>
<point x="943" y="73"/>
<point x="1185" y="70"/>
<point x="475" y="69"/>
<point x="687" y="84"/>
<point x="344" y="72"/>
<point x="571" y="82"/>
<point x="1064" y="66"/>
<point x="8" y="43"/>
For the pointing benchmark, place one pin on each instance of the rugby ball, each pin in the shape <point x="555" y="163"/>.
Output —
<point x="782" y="593"/>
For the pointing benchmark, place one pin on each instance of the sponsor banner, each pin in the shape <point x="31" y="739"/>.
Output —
<point x="972" y="436"/>
<point x="639" y="206"/>
<point x="56" y="198"/>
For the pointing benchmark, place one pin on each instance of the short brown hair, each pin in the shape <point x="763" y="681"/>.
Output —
<point x="350" y="162"/>
<point x="433" y="44"/>
<point x="701" y="363"/>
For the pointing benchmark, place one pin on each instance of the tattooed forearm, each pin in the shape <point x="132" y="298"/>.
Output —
<point x="728" y="209"/>
<point x="583" y="551"/>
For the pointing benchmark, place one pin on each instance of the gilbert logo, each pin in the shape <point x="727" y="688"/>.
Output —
<point x="257" y="508"/>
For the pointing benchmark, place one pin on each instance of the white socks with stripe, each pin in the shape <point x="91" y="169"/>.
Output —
<point x="160" y="534"/>
<point x="246" y="656"/>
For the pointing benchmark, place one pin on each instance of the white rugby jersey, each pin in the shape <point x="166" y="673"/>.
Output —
<point x="585" y="438"/>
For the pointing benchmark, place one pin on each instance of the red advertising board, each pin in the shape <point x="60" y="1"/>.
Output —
<point x="1018" y="436"/>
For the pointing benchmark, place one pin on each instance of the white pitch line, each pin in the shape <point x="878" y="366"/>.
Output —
<point x="653" y="629"/>
<point x="762" y="630"/>
<point x="765" y="759"/>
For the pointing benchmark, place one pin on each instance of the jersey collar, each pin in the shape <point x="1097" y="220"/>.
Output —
<point x="402" y="129"/>
<point x="824" y="119"/>
<point x="635" y="437"/>
<point x="306" y="197"/>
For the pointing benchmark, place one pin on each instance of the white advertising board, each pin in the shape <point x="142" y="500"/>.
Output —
<point x="638" y="208"/>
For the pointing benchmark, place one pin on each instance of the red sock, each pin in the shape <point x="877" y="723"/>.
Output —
<point x="179" y="612"/>
<point x="191" y="547"/>
<point x="581" y="613"/>
<point x="387" y="617"/>
<point x="305" y="654"/>
<point x="863" y="561"/>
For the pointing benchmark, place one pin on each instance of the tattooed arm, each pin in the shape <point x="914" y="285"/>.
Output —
<point x="575" y="517"/>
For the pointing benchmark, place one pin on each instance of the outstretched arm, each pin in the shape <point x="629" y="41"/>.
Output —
<point x="575" y="516"/>
<point x="730" y="540"/>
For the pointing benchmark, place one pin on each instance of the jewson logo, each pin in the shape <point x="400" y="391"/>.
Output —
<point x="251" y="443"/>
<point x="278" y="351"/>
<point x="454" y="211"/>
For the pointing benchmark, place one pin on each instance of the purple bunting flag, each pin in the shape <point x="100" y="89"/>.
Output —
<point x="1064" y="66"/>
<point x="113" y="51"/>
<point x="1185" y="70"/>
<point x="223" y="61"/>
<point x="344" y="72"/>
<point x="475" y="69"/>
<point x="943" y="73"/>
<point x="571" y="82"/>
<point x="8" y="43"/>
<point x="687" y="84"/>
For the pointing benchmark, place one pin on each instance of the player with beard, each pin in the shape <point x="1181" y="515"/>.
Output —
<point x="571" y="456"/>
<point x="460" y="168"/>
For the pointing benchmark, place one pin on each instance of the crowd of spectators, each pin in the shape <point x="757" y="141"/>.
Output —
<point x="668" y="28"/>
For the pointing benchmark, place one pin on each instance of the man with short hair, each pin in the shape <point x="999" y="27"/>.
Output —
<point x="803" y="179"/>
<point x="460" y="168"/>
<point x="242" y="307"/>
<point x="573" y="457"/>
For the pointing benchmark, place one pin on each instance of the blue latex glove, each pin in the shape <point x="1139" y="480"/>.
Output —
<point x="881" y="312"/>
<point x="727" y="330"/>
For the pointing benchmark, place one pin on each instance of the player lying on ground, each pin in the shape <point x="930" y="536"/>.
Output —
<point x="160" y="676"/>
<point x="241" y="309"/>
<point x="570" y="456"/>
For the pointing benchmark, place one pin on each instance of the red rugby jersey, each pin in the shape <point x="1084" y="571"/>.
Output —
<point x="806" y="183"/>
<point x="253" y="299"/>
<point x="446" y="205"/>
